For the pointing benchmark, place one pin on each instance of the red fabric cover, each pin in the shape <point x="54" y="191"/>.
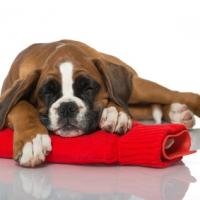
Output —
<point x="143" y="145"/>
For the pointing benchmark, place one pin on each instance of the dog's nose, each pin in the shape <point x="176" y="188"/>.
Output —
<point x="67" y="109"/>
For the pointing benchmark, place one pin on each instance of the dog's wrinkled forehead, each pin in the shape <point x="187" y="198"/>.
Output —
<point x="74" y="83"/>
<point x="66" y="70"/>
<point x="69" y="82"/>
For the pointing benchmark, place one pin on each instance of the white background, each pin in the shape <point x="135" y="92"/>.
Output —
<point x="160" y="39"/>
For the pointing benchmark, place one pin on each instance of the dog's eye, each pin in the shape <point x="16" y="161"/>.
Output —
<point x="88" y="89"/>
<point x="51" y="88"/>
<point x="85" y="87"/>
<point x="44" y="119"/>
<point x="50" y="92"/>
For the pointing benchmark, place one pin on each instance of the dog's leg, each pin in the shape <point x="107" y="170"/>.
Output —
<point x="141" y="112"/>
<point x="147" y="112"/>
<point x="114" y="119"/>
<point x="174" y="113"/>
<point x="145" y="91"/>
<point x="31" y="139"/>
<point x="178" y="113"/>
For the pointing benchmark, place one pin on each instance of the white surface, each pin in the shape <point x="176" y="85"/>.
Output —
<point x="100" y="182"/>
<point x="161" y="39"/>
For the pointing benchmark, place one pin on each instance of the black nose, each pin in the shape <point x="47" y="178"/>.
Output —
<point x="67" y="109"/>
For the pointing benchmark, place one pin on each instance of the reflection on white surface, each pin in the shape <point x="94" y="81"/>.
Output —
<point x="93" y="182"/>
<point x="195" y="138"/>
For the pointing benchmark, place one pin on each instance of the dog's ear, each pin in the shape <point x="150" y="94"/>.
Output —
<point x="21" y="88"/>
<point x="117" y="79"/>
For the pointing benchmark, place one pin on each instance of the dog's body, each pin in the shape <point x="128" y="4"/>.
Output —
<point x="71" y="89"/>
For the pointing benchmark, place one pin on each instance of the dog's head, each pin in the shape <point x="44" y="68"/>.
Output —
<point x="67" y="101"/>
<point x="70" y="96"/>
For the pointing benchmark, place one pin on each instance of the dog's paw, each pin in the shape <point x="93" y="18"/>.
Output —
<point x="180" y="113"/>
<point x="34" y="152"/>
<point x="114" y="121"/>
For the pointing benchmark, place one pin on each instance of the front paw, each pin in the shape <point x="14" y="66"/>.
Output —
<point x="33" y="152"/>
<point x="114" y="121"/>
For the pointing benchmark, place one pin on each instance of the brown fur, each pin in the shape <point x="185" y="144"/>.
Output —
<point x="120" y="86"/>
<point x="24" y="119"/>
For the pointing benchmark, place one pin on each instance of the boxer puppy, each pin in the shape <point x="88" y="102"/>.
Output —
<point x="70" y="89"/>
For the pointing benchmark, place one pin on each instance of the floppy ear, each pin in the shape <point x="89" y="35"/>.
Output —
<point x="20" y="89"/>
<point x="118" y="81"/>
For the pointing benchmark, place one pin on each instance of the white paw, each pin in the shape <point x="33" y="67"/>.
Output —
<point x="33" y="153"/>
<point x="180" y="113"/>
<point x="114" y="121"/>
<point x="157" y="113"/>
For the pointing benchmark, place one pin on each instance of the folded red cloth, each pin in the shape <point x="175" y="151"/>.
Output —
<point x="143" y="145"/>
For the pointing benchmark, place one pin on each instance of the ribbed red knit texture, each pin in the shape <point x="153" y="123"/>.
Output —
<point x="143" y="145"/>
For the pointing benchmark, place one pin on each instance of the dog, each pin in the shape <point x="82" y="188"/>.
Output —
<point x="70" y="89"/>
